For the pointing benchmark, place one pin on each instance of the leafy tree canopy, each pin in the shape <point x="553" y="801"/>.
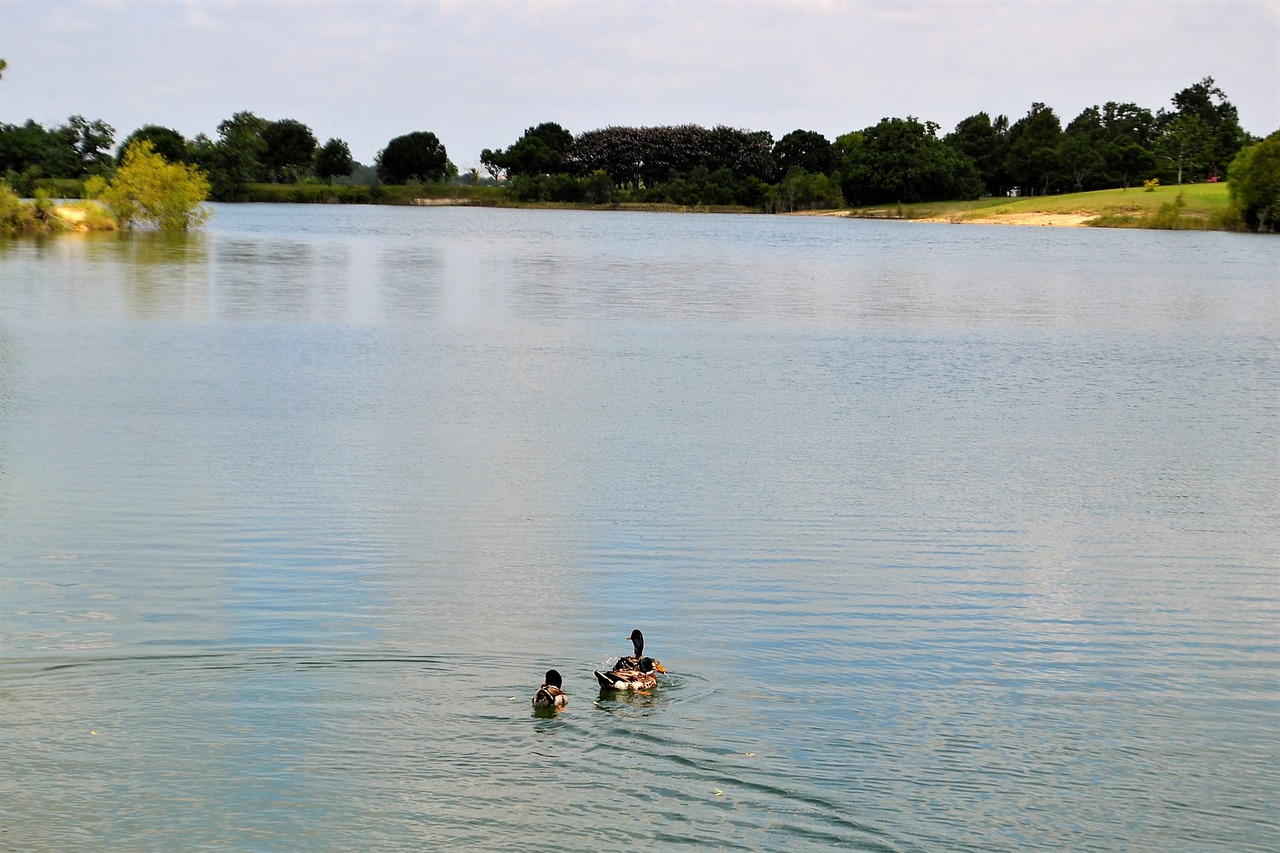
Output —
<point x="416" y="156"/>
<point x="986" y="142"/>
<point x="1255" y="184"/>
<point x="1033" y="160"/>
<point x="165" y="141"/>
<point x="148" y="190"/>
<point x="804" y="149"/>
<point x="1203" y="107"/>
<point x="333" y="159"/>
<point x="902" y="160"/>
<point x="290" y="147"/>
<point x="542" y="150"/>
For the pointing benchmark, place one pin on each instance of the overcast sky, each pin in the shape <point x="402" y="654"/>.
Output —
<point x="477" y="73"/>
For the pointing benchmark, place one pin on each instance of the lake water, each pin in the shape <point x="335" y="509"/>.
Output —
<point x="952" y="538"/>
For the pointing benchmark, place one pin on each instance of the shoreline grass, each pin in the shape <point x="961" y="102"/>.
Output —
<point x="1187" y="207"/>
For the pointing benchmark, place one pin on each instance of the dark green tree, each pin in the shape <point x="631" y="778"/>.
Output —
<point x="986" y="143"/>
<point x="290" y="150"/>
<point x="1130" y="132"/>
<point x="333" y="159"/>
<point x="22" y="154"/>
<point x="542" y="150"/>
<point x="1185" y="144"/>
<point x="801" y="190"/>
<point x="804" y="149"/>
<point x="165" y="141"/>
<point x="1080" y="150"/>
<point x="1222" y="134"/>
<point x="1033" y="160"/>
<point x="902" y="160"/>
<point x="1255" y="184"/>
<point x="416" y="156"/>
<point x="92" y="142"/>
<point x="236" y="158"/>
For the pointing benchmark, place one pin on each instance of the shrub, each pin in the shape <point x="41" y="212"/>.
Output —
<point x="20" y="217"/>
<point x="1255" y="184"/>
<point x="149" y="190"/>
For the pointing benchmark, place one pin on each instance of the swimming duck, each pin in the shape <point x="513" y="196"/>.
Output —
<point x="643" y="677"/>
<point x="632" y="661"/>
<point x="550" y="695"/>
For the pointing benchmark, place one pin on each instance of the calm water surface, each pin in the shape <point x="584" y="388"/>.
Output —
<point x="952" y="538"/>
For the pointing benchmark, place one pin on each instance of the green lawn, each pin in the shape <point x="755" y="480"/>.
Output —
<point x="1203" y="206"/>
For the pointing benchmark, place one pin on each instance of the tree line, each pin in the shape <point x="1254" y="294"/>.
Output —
<point x="248" y="149"/>
<point x="897" y="160"/>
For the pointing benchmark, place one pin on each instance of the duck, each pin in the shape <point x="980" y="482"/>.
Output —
<point x="632" y="661"/>
<point x="643" y="677"/>
<point x="550" y="695"/>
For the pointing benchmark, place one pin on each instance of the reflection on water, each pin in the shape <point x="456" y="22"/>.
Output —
<point x="953" y="538"/>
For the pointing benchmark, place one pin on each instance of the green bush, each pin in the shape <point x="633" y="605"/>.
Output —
<point x="149" y="190"/>
<point x="20" y="217"/>
<point x="1255" y="185"/>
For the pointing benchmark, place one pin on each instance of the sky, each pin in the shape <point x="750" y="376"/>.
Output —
<point x="478" y="72"/>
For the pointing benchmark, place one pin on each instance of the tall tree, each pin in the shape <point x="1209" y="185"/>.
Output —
<point x="1033" y="159"/>
<point x="91" y="141"/>
<point x="1080" y="150"/>
<point x="165" y="141"/>
<point x="333" y="159"/>
<point x="541" y="150"/>
<point x="290" y="149"/>
<point x="1255" y="184"/>
<point x="1185" y="143"/>
<point x="1219" y="125"/>
<point x="804" y="149"/>
<point x="22" y="147"/>
<point x="1129" y="135"/>
<point x="902" y="160"/>
<point x="416" y="156"/>
<point x="986" y="142"/>
<point x="236" y="158"/>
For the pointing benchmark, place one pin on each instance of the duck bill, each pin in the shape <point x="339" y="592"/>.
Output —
<point x="660" y="668"/>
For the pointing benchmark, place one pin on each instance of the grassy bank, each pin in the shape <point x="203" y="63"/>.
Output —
<point x="1189" y="206"/>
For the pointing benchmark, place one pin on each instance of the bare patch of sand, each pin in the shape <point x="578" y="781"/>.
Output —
<point x="1060" y="220"/>
<point x="73" y="216"/>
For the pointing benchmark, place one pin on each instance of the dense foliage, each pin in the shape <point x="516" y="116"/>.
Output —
<point x="902" y="160"/>
<point x="1255" y="184"/>
<point x="333" y="160"/>
<point x="416" y="156"/>
<point x="542" y="150"/>
<point x="148" y="190"/>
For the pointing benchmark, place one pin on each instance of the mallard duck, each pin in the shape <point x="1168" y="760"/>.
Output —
<point x="632" y="661"/>
<point x="550" y="695"/>
<point x="643" y="677"/>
